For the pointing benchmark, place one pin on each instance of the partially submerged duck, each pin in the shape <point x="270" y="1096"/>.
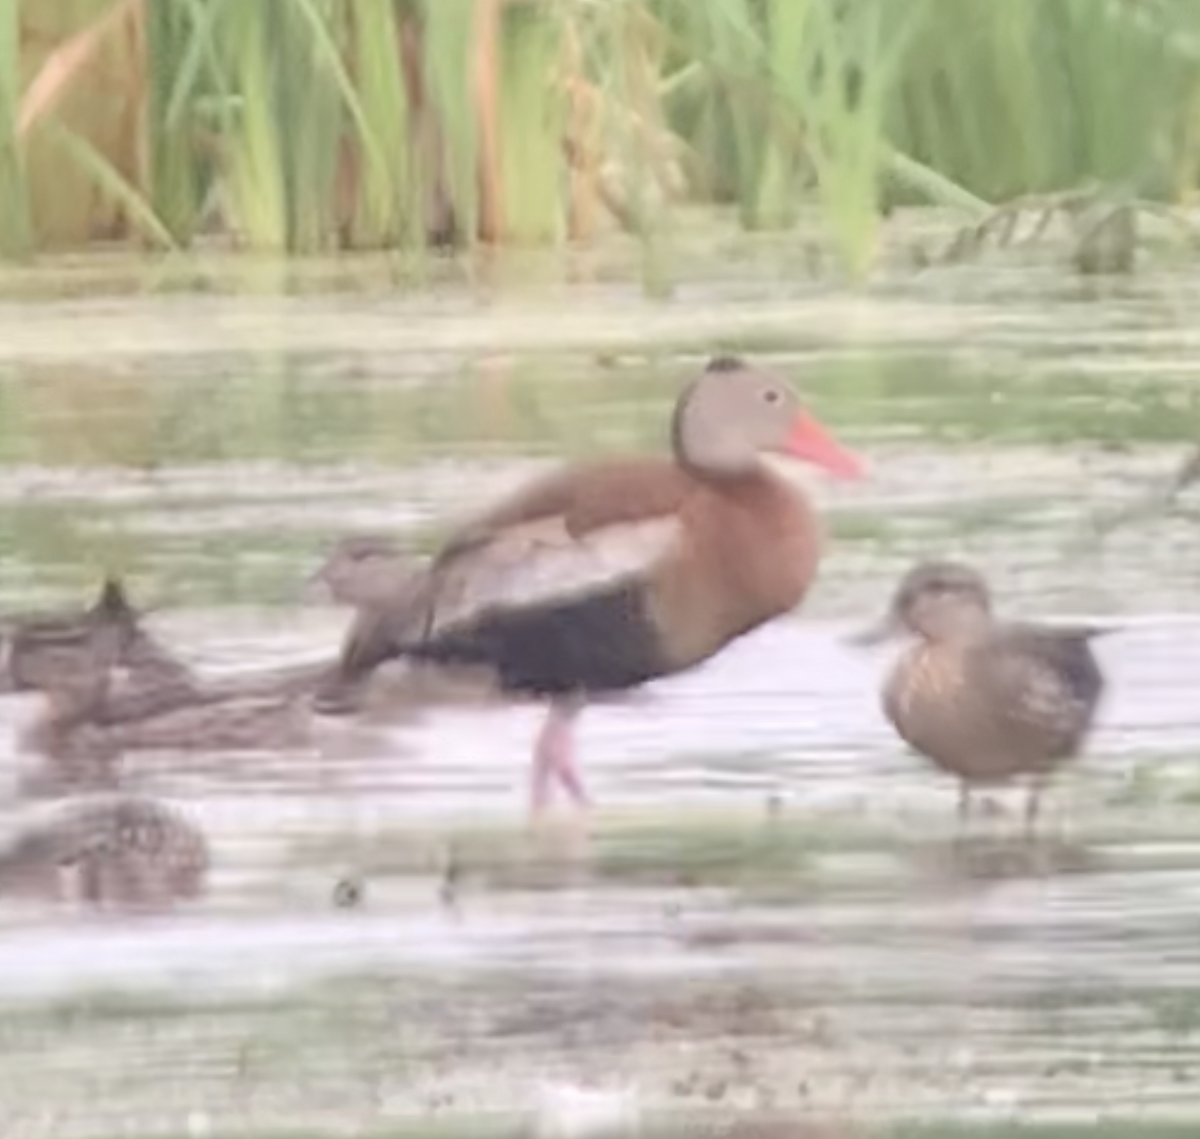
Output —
<point x="987" y="701"/>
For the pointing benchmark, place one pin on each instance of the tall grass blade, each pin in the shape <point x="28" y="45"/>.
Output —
<point x="174" y="64"/>
<point x="532" y="111"/>
<point x="62" y="67"/>
<point x="449" y="41"/>
<point x="386" y="207"/>
<point x="315" y="124"/>
<point x="16" y="237"/>
<point x="306" y="74"/>
<point x="113" y="185"/>
<point x="257" y="196"/>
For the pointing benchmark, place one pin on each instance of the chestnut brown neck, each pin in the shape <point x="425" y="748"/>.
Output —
<point x="751" y="555"/>
<point x="774" y="538"/>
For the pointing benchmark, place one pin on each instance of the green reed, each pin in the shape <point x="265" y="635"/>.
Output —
<point x="309" y="126"/>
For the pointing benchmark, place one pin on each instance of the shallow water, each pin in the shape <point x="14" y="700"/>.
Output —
<point x="213" y="446"/>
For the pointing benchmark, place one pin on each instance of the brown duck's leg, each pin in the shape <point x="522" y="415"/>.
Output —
<point x="554" y="758"/>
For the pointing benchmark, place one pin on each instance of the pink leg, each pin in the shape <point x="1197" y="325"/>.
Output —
<point x="554" y="759"/>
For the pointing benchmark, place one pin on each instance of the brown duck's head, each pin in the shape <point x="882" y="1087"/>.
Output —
<point x="72" y="652"/>
<point x="733" y="415"/>
<point x="934" y="600"/>
<point x="362" y="570"/>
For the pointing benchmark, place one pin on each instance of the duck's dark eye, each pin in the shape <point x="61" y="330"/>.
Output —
<point x="771" y="395"/>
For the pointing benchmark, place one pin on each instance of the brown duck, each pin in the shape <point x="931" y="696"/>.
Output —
<point x="83" y="742"/>
<point x="46" y="644"/>
<point x="985" y="700"/>
<point x="109" y="852"/>
<point x="90" y="720"/>
<point x="602" y="576"/>
<point x="110" y="634"/>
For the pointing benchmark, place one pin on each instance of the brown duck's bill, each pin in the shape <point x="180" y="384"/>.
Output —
<point x="812" y="443"/>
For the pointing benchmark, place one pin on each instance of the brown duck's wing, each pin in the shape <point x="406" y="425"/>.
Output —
<point x="571" y="535"/>
<point x="1044" y="682"/>
<point x="1068" y="650"/>
<point x="585" y="496"/>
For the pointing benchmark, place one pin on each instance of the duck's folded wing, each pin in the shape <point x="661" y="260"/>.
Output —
<point x="540" y="565"/>
<point x="585" y="496"/>
<point x="575" y="534"/>
<point x="1067" y="649"/>
<point x="1046" y="681"/>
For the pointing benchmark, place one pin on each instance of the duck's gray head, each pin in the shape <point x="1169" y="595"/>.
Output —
<point x="933" y="600"/>
<point x="363" y="570"/>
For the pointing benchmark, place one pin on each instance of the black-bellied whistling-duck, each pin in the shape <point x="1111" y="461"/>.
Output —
<point x="985" y="700"/>
<point x="604" y="575"/>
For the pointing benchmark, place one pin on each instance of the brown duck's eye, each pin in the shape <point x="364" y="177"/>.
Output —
<point x="771" y="395"/>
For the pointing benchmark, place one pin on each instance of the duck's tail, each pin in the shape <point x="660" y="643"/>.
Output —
<point x="340" y="692"/>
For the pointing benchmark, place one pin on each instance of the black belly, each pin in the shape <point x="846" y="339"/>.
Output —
<point x="598" y="643"/>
